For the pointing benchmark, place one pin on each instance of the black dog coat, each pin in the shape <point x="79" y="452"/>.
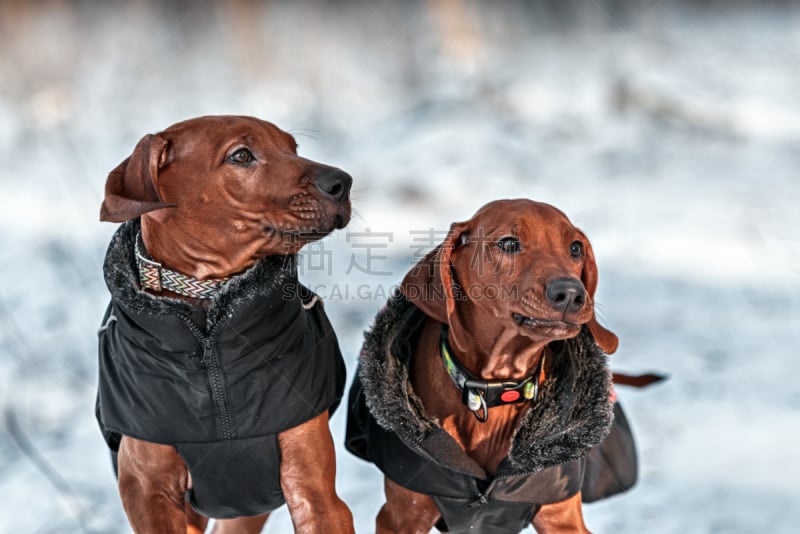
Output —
<point x="547" y="461"/>
<point x="221" y="384"/>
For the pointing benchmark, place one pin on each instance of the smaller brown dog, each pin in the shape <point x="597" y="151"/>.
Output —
<point x="483" y="386"/>
<point x="218" y="371"/>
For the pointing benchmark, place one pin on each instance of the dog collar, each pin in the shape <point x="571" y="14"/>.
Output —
<point x="480" y="395"/>
<point x="153" y="276"/>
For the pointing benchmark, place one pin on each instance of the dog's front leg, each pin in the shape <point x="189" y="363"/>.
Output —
<point x="152" y="484"/>
<point x="561" y="517"/>
<point x="240" y="525"/>
<point x="308" y="476"/>
<point x="405" y="511"/>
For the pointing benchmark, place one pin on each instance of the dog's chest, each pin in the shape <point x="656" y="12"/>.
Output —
<point x="487" y="443"/>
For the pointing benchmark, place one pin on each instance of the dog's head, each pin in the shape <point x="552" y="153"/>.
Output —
<point x="516" y="263"/>
<point x="230" y="178"/>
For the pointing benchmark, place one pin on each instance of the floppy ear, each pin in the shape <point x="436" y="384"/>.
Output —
<point x="429" y="284"/>
<point x="130" y="188"/>
<point x="605" y="339"/>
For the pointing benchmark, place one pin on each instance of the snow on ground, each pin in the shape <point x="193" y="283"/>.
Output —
<point x="670" y="135"/>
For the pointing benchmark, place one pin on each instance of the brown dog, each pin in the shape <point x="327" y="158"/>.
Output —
<point x="482" y="387"/>
<point x="215" y="386"/>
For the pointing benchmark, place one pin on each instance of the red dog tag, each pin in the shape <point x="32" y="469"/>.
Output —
<point x="509" y="396"/>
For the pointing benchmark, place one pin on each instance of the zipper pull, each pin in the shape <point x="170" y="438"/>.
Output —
<point x="479" y="502"/>
<point x="208" y="349"/>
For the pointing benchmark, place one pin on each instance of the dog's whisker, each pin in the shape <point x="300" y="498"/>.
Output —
<point x="355" y="214"/>
<point x="304" y="132"/>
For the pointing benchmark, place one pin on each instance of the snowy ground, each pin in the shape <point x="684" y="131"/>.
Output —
<point x="671" y="136"/>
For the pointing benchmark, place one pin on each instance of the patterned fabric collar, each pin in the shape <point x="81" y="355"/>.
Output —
<point x="157" y="278"/>
<point x="480" y="395"/>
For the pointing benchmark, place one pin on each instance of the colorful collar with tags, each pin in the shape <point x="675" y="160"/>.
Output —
<point x="480" y="395"/>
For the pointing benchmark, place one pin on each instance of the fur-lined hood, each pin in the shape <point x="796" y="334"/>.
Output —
<point x="122" y="279"/>
<point x="573" y="412"/>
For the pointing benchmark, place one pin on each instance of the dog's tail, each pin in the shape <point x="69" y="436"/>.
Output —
<point x="638" y="381"/>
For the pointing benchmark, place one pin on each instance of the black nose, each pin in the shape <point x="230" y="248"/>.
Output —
<point x="566" y="294"/>
<point x="335" y="183"/>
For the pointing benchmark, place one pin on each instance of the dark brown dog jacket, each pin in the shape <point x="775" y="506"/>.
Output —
<point x="218" y="384"/>
<point x="547" y="463"/>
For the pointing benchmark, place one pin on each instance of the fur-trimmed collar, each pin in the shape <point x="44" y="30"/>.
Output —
<point x="119" y="268"/>
<point x="572" y="414"/>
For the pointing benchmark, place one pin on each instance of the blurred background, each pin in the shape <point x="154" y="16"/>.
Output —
<point x="669" y="131"/>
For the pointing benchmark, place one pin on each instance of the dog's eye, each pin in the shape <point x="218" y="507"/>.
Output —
<point x="241" y="156"/>
<point x="576" y="249"/>
<point x="509" y="244"/>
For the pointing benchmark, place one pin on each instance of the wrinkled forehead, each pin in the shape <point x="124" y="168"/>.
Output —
<point x="522" y="217"/>
<point x="215" y="132"/>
